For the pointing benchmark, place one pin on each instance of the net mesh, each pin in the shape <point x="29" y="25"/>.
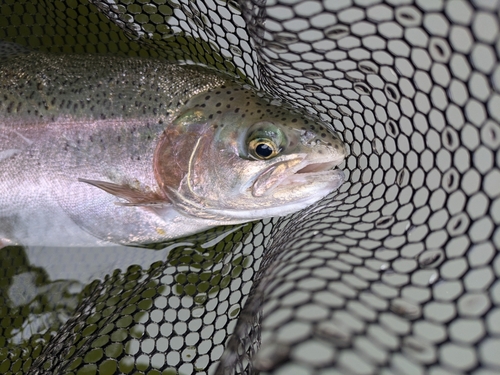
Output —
<point x="396" y="273"/>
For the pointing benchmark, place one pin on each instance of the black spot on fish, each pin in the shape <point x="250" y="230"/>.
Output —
<point x="218" y="104"/>
<point x="216" y="126"/>
<point x="207" y="97"/>
<point x="103" y="116"/>
<point x="204" y="105"/>
<point x="236" y="110"/>
<point x="231" y="98"/>
<point x="210" y="117"/>
<point x="294" y="120"/>
<point x="312" y="127"/>
<point x="323" y="135"/>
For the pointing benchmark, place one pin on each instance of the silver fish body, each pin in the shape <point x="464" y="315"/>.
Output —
<point x="96" y="150"/>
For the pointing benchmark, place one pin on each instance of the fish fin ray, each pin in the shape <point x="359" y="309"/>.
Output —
<point x="134" y="197"/>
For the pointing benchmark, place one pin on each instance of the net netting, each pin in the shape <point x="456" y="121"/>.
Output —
<point x="396" y="273"/>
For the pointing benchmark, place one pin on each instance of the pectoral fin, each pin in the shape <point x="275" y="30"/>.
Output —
<point x="134" y="196"/>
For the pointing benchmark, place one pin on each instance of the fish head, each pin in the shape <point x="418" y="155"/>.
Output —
<point x="235" y="156"/>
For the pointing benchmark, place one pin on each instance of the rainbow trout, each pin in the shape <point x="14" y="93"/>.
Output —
<point x="96" y="150"/>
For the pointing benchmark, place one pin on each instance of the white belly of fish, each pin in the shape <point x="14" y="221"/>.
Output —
<point x="43" y="202"/>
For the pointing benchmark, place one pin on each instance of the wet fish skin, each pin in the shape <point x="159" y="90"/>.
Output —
<point x="99" y="149"/>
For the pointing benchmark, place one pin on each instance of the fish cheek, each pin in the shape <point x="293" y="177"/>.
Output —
<point x="178" y="158"/>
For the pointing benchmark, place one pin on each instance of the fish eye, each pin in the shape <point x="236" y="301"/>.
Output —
<point x="264" y="140"/>
<point x="263" y="148"/>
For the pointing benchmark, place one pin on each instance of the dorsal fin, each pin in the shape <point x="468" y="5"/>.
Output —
<point x="134" y="196"/>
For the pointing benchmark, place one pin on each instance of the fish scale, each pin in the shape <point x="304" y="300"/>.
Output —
<point x="97" y="150"/>
<point x="96" y="87"/>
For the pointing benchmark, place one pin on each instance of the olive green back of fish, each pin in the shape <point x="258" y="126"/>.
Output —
<point x="40" y="87"/>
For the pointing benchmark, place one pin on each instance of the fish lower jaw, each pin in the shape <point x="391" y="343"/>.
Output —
<point x="233" y="216"/>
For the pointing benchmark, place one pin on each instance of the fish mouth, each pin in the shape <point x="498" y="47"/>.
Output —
<point x="297" y="171"/>
<point x="317" y="167"/>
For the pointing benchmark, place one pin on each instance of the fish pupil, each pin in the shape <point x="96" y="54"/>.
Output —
<point x="263" y="150"/>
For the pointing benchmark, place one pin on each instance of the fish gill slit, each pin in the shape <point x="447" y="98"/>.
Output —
<point x="191" y="157"/>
